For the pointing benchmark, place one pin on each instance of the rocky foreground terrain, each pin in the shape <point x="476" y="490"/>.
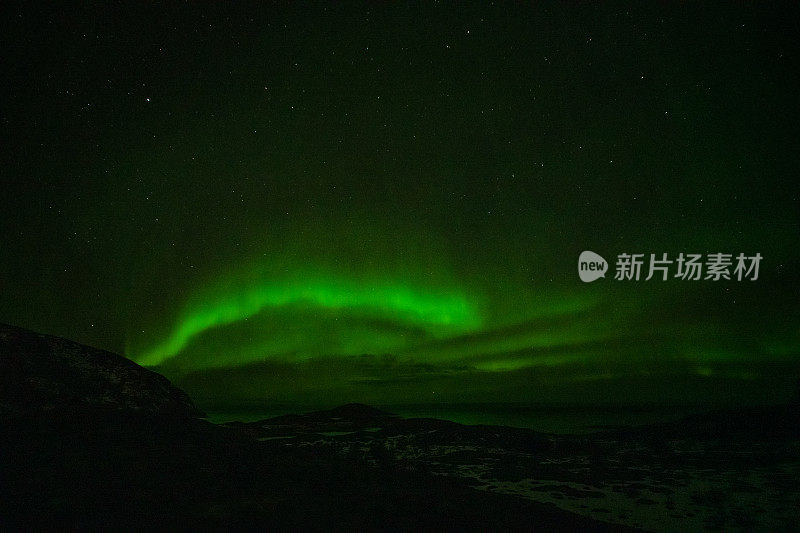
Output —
<point x="718" y="471"/>
<point x="90" y="440"/>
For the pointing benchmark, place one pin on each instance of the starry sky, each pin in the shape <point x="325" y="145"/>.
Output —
<point x="324" y="203"/>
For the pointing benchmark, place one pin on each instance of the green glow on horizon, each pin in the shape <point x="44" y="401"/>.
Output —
<point x="504" y="365"/>
<point x="436" y="313"/>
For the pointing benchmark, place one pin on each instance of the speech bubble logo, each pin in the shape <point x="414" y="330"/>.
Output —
<point x="591" y="266"/>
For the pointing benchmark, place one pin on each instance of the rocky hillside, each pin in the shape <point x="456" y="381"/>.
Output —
<point x="42" y="372"/>
<point x="90" y="441"/>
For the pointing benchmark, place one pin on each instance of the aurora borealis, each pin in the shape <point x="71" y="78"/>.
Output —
<point x="396" y="303"/>
<point x="318" y="204"/>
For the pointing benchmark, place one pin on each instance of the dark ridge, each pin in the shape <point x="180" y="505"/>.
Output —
<point x="349" y="417"/>
<point x="355" y="412"/>
<point x="91" y="441"/>
<point x="773" y="422"/>
<point x="42" y="373"/>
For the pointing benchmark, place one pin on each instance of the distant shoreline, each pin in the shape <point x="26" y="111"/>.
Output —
<point x="546" y="419"/>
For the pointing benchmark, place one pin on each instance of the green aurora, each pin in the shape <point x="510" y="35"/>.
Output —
<point x="435" y="314"/>
<point x="325" y="204"/>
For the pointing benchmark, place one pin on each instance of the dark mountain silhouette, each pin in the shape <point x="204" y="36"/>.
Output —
<point x="363" y="420"/>
<point x="769" y="422"/>
<point x="42" y="372"/>
<point x="343" y="418"/>
<point x="92" y="441"/>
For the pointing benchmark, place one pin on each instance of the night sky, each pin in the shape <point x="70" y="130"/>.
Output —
<point x="317" y="204"/>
